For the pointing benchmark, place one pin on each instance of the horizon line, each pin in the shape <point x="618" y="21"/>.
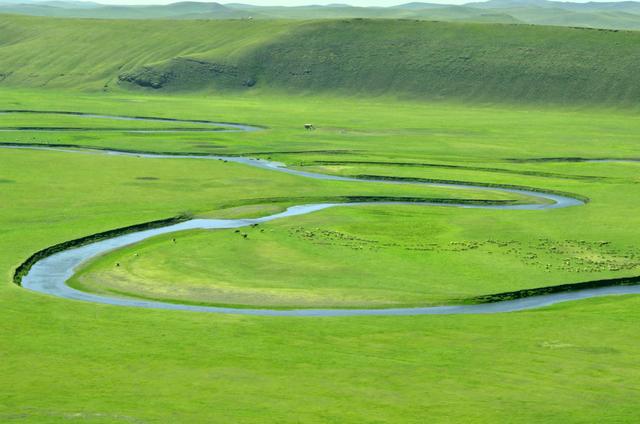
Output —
<point x="295" y="3"/>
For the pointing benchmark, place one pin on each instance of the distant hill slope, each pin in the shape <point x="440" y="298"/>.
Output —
<point x="427" y="60"/>
<point x="180" y="10"/>
<point x="611" y="15"/>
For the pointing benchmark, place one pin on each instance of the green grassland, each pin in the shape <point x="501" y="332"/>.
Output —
<point x="404" y="255"/>
<point x="352" y="129"/>
<point x="382" y="256"/>
<point x="408" y="59"/>
<point x="621" y="15"/>
<point x="29" y="122"/>
<point x="568" y="93"/>
<point x="64" y="360"/>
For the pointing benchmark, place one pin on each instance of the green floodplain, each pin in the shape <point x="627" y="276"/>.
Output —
<point x="69" y="361"/>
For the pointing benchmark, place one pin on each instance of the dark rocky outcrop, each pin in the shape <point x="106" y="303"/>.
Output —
<point x="188" y="73"/>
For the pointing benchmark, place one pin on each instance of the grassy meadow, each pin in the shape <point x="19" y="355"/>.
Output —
<point x="98" y="363"/>
<point x="505" y="105"/>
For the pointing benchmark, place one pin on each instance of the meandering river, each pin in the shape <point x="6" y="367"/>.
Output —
<point x="50" y="274"/>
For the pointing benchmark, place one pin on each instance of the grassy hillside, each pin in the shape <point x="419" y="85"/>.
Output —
<point x="612" y="15"/>
<point x="579" y="18"/>
<point x="70" y="53"/>
<point x="182" y="10"/>
<point x="427" y="60"/>
<point x="446" y="60"/>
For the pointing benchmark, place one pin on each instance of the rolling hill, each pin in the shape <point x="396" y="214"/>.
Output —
<point x="417" y="59"/>
<point x="611" y="15"/>
<point x="181" y="10"/>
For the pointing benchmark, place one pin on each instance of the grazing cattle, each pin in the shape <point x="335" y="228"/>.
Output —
<point x="309" y="127"/>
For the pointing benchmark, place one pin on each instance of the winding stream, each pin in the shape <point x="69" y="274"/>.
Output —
<point x="49" y="275"/>
<point x="220" y="126"/>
